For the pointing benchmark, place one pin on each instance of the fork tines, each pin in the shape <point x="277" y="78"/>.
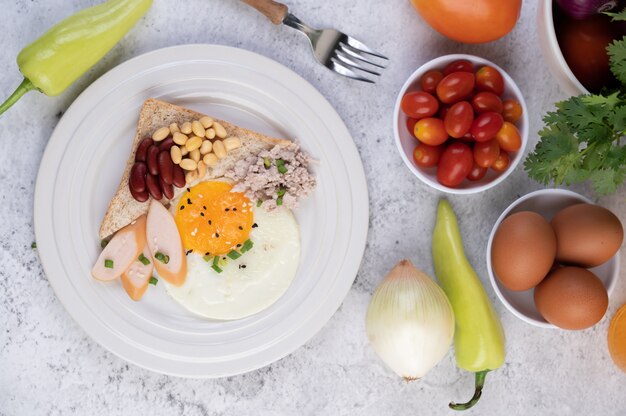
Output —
<point x="351" y="58"/>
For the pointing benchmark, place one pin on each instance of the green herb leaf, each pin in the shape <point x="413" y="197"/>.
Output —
<point x="153" y="281"/>
<point x="108" y="263"/>
<point x="617" y="17"/>
<point x="617" y="58"/>
<point x="234" y="255"/>
<point x="33" y="245"/>
<point x="143" y="259"/>
<point x="279" y="201"/>
<point x="281" y="191"/>
<point x="267" y="162"/>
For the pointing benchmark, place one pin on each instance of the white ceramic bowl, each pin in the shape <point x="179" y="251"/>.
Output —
<point x="406" y="142"/>
<point x="552" y="51"/>
<point x="546" y="202"/>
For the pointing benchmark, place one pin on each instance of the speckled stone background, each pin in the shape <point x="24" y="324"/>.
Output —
<point x="48" y="366"/>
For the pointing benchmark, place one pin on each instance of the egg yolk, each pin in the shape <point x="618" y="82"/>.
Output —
<point x="213" y="220"/>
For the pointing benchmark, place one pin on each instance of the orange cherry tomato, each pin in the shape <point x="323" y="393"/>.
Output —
<point x="486" y="153"/>
<point x="489" y="79"/>
<point x="487" y="101"/>
<point x="511" y="110"/>
<point x="427" y="156"/>
<point x="461" y="65"/>
<point x="429" y="81"/>
<point x="508" y="137"/>
<point x="419" y="104"/>
<point x="486" y="126"/>
<point x="477" y="173"/>
<point x="458" y="119"/>
<point x="455" y="164"/>
<point x="455" y="87"/>
<point x="502" y="162"/>
<point x="431" y="131"/>
<point x="474" y="21"/>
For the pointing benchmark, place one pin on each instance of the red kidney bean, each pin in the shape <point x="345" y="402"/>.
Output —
<point x="137" y="177"/>
<point x="141" y="196"/>
<point x="178" y="178"/>
<point x="166" y="167"/>
<point x="152" y="183"/>
<point x="142" y="148"/>
<point x="151" y="160"/>
<point x="167" y="188"/>
<point x="166" y="144"/>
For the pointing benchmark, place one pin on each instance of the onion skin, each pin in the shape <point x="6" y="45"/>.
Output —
<point x="410" y="322"/>
<point x="582" y="9"/>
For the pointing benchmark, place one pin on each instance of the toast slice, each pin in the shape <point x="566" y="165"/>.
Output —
<point x="124" y="209"/>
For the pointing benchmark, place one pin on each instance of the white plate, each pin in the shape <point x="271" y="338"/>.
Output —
<point x="83" y="164"/>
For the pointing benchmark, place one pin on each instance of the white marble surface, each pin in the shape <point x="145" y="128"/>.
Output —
<point x="48" y="366"/>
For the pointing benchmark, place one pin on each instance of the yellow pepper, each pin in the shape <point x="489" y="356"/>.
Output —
<point x="65" y="52"/>
<point x="478" y="338"/>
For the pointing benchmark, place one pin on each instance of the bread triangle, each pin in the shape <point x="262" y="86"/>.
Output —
<point x="123" y="208"/>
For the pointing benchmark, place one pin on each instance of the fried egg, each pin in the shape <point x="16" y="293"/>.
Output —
<point x="213" y="221"/>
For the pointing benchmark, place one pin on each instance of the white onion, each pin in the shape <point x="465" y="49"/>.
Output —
<point x="410" y="322"/>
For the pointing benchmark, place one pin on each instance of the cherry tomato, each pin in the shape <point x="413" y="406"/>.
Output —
<point x="430" y="131"/>
<point x="427" y="156"/>
<point x="511" y="111"/>
<point x="458" y="119"/>
<point x="410" y="125"/>
<point x="455" y="164"/>
<point x="487" y="101"/>
<point x="508" y="137"/>
<point x="486" y="153"/>
<point x="462" y="65"/>
<point x="486" y="126"/>
<point x="419" y="104"/>
<point x="467" y="137"/>
<point x="455" y="87"/>
<point x="429" y="81"/>
<point x="489" y="79"/>
<point x="502" y="162"/>
<point x="443" y="110"/>
<point x="477" y="173"/>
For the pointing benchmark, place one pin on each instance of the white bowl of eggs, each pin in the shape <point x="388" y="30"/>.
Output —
<point x="553" y="259"/>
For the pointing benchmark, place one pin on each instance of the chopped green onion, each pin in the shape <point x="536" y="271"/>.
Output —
<point x="279" y="201"/>
<point x="143" y="259"/>
<point x="280" y="165"/>
<point x="246" y="246"/>
<point x="216" y="268"/>
<point x="163" y="258"/>
<point x="259" y="203"/>
<point x="281" y="191"/>
<point x="234" y="255"/>
<point x="108" y="263"/>
<point x="206" y="258"/>
<point x="103" y="243"/>
<point x="267" y="162"/>
<point x="153" y="281"/>
<point x="33" y="245"/>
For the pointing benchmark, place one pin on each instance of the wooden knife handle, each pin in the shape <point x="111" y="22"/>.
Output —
<point x="273" y="10"/>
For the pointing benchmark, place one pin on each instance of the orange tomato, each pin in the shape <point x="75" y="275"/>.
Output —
<point x="474" y="21"/>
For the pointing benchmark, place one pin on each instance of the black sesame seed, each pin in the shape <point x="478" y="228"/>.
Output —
<point x="243" y="266"/>
<point x="209" y="222"/>
<point x="217" y="235"/>
<point x="238" y="245"/>
<point x="204" y="207"/>
<point x="223" y="258"/>
<point x="234" y="209"/>
<point x="202" y="214"/>
<point x="227" y="209"/>
<point x="240" y="227"/>
<point x="188" y="201"/>
<point x="255" y="225"/>
<point x="182" y="207"/>
<point x="189" y="252"/>
<point x="188" y="190"/>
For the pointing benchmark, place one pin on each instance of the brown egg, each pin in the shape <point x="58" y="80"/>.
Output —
<point x="523" y="250"/>
<point x="587" y="235"/>
<point x="571" y="298"/>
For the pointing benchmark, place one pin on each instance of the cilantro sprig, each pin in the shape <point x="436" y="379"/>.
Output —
<point x="584" y="139"/>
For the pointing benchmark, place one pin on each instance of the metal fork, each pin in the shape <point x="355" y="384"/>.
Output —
<point x="335" y="50"/>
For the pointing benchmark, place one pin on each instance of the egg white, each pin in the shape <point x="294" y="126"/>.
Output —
<point x="251" y="283"/>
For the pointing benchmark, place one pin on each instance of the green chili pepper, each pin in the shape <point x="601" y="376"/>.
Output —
<point x="478" y="338"/>
<point x="66" y="51"/>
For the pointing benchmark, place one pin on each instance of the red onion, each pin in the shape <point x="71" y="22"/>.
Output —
<point x="582" y="9"/>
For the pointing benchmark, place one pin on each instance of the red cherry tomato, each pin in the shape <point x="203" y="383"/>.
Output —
<point x="462" y="65"/>
<point x="487" y="101"/>
<point x="431" y="131"/>
<point x="511" y="111"/>
<point x="467" y="137"/>
<point x="502" y="162"/>
<point x="455" y="87"/>
<point x="489" y="79"/>
<point x="443" y="110"/>
<point x="410" y="125"/>
<point x="486" y="153"/>
<point x="477" y="173"/>
<point x="508" y="137"/>
<point x="419" y="104"/>
<point x="427" y="156"/>
<point x="458" y="119"/>
<point x="486" y="126"/>
<point x="429" y="81"/>
<point x="455" y="164"/>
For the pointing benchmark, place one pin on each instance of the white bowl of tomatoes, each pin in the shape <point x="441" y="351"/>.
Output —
<point x="461" y="124"/>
